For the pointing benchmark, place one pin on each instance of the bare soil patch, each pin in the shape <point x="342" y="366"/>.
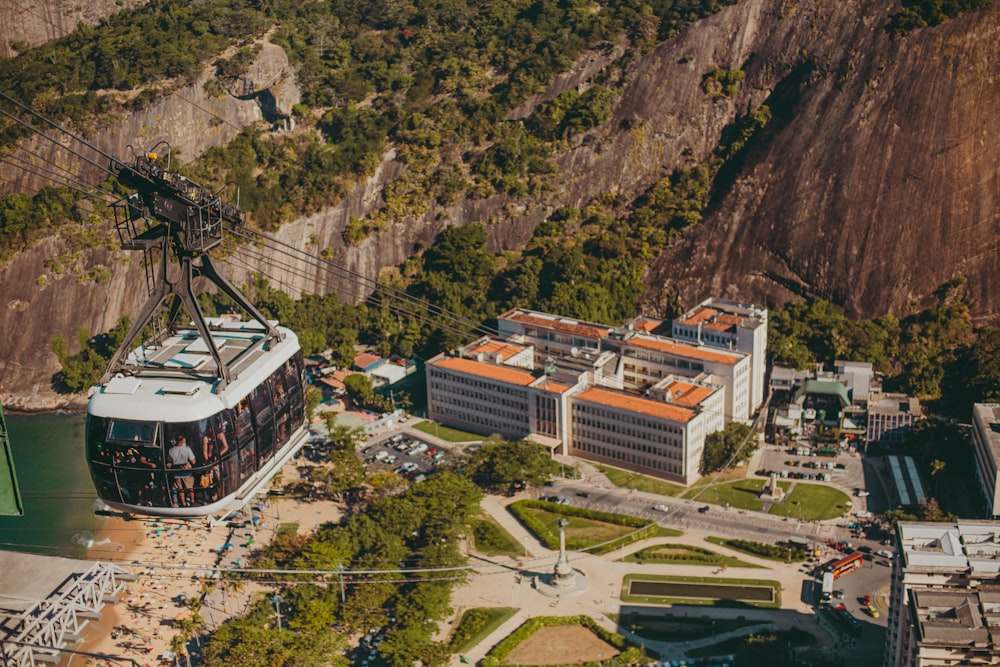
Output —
<point x="561" y="645"/>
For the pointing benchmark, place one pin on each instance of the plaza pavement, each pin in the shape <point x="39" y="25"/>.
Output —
<point x="505" y="582"/>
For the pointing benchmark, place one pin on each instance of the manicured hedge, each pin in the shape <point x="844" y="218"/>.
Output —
<point x="630" y="653"/>
<point x="771" y="551"/>
<point x="476" y="624"/>
<point x="551" y="539"/>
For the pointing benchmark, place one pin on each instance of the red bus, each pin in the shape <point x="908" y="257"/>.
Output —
<point x="845" y="565"/>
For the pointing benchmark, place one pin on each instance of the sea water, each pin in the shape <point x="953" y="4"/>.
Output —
<point x="57" y="495"/>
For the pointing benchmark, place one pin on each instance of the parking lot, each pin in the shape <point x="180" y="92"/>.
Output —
<point x="404" y="454"/>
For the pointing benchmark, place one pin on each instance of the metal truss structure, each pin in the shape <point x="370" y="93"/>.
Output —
<point x="38" y="635"/>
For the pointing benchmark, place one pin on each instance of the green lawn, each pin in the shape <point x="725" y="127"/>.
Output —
<point x="587" y="531"/>
<point x="476" y="625"/>
<point x="633" y="480"/>
<point x="685" y="554"/>
<point x="447" y="433"/>
<point x="812" y="501"/>
<point x="741" y="494"/>
<point x="493" y="540"/>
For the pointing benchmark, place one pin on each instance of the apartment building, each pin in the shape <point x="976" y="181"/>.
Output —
<point x="945" y="597"/>
<point x="730" y="325"/>
<point x="985" y="436"/>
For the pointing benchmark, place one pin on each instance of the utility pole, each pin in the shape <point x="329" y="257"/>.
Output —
<point x="340" y="572"/>
<point x="277" y="600"/>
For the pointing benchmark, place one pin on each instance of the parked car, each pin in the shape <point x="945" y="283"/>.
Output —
<point x="884" y="553"/>
<point x="583" y="494"/>
<point x="861" y="493"/>
<point x="704" y="509"/>
<point x="661" y="508"/>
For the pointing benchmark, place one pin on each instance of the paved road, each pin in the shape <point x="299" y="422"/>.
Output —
<point x="683" y="514"/>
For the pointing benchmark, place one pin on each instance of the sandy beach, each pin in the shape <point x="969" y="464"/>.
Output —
<point x="172" y="559"/>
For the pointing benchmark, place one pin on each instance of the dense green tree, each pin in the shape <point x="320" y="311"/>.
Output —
<point x="359" y="388"/>
<point x="730" y="446"/>
<point x="507" y="465"/>
<point x="253" y="640"/>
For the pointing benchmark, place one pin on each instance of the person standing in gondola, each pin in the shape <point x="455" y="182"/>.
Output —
<point x="181" y="456"/>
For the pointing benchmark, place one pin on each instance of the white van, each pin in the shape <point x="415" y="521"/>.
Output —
<point x="419" y="449"/>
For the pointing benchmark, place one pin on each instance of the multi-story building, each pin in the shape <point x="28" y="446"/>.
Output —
<point x="662" y="434"/>
<point x="489" y="394"/>
<point x="552" y="334"/>
<point x="647" y="359"/>
<point x="985" y="437"/>
<point x="890" y="417"/>
<point x="491" y="386"/>
<point x="945" y="599"/>
<point x="733" y="326"/>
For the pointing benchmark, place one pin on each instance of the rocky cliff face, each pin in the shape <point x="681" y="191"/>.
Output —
<point x="877" y="181"/>
<point x="873" y="184"/>
<point x="188" y="119"/>
<point x="35" y="23"/>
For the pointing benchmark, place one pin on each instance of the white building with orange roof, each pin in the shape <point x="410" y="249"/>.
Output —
<point x="648" y="359"/>
<point x="489" y="387"/>
<point x="486" y="392"/>
<point x="730" y="325"/>
<point x="660" y="434"/>
<point x="552" y="334"/>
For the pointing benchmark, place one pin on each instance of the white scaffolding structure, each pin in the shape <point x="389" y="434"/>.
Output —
<point x="57" y="621"/>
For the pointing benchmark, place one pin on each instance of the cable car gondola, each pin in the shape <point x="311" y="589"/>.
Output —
<point x="195" y="419"/>
<point x="164" y="441"/>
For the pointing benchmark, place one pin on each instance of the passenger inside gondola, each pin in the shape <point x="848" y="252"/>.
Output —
<point x="181" y="457"/>
<point x="208" y="486"/>
<point x="214" y="443"/>
<point x="244" y="426"/>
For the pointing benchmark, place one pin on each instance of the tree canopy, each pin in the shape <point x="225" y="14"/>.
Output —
<point x="508" y="465"/>
<point x="730" y="446"/>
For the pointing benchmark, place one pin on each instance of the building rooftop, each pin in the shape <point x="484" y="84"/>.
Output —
<point x="684" y="350"/>
<point x="699" y="315"/>
<point x="966" y="546"/>
<point x="556" y="323"/>
<point x="894" y="404"/>
<point x="367" y="361"/>
<point x="495" y="348"/>
<point x="638" y="404"/>
<point x="686" y="394"/>
<point x="949" y="617"/>
<point x="553" y="387"/>
<point x="722" y="314"/>
<point x="651" y="325"/>
<point x="486" y="370"/>
<point x="989" y="415"/>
